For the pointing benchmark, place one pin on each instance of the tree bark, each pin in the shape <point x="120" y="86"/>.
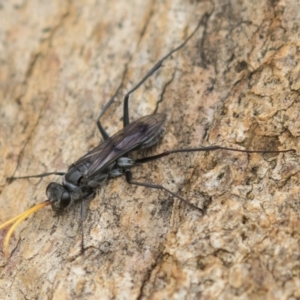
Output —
<point x="235" y="83"/>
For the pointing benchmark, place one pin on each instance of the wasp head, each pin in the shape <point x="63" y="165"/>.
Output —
<point x="58" y="196"/>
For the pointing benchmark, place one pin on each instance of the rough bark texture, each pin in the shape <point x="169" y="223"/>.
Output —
<point x="236" y="83"/>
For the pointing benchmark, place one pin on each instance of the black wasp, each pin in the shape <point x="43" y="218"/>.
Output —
<point x="108" y="159"/>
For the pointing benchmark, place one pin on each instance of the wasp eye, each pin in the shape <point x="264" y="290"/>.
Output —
<point x="65" y="200"/>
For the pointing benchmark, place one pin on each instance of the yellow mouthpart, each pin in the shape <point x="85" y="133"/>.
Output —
<point x="16" y="222"/>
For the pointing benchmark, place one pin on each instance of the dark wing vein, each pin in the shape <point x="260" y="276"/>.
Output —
<point x="127" y="139"/>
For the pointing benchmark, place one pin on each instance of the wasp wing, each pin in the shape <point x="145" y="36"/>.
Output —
<point x="129" y="138"/>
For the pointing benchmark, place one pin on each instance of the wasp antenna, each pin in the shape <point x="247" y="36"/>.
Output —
<point x="17" y="220"/>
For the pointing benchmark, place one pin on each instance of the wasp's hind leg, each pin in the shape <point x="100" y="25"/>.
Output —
<point x="128" y="175"/>
<point x="107" y="105"/>
<point x="152" y="71"/>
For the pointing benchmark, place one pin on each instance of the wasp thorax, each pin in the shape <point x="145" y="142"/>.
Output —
<point x="58" y="195"/>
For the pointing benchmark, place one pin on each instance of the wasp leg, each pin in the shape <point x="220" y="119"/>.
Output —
<point x="107" y="105"/>
<point x="82" y="217"/>
<point x="128" y="175"/>
<point x="209" y="148"/>
<point x="153" y="70"/>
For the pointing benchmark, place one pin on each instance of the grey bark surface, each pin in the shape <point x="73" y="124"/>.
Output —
<point x="236" y="84"/>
